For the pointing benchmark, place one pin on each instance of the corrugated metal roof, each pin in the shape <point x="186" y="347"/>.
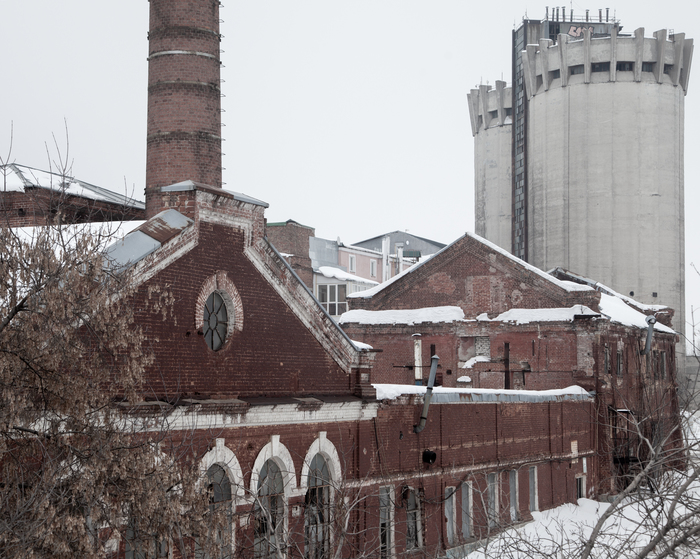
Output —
<point x="146" y="239"/>
<point x="20" y="178"/>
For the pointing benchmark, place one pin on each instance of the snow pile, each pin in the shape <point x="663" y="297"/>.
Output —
<point x="406" y="316"/>
<point x="473" y="361"/>
<point x="618" y="311"/>
<point x="393" y="391"/>
<point x="553" y="533"/>
<point x="560" y="532"/>
<point x="465" y="378"/>
<point x="525" y="316"/>
<point x="337" y="273"/>
<point x="642" y="306"/>
<point x="361" y="345"/>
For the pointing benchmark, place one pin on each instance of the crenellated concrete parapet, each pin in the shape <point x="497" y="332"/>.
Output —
<point x="662" y="59"/>
<point x="490" y="107"/>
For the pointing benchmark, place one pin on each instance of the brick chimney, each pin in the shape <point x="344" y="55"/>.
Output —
<point x="184" y="97"/>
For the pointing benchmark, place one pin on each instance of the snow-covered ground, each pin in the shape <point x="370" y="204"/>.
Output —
<point x="560" y="532"/>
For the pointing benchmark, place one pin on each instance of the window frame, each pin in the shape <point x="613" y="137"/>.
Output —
<point x="451" y="514"/>
<point x="492" y="499"/>
<point x="266" y="546"/>
<point x="534" y="504"/>
<point x="467" y="510"/>
<point x="514" y="495"/>
<point x="323" y="511"/>
<point x="386" y="522"/>
<point x="330" y="298"/>
<point x="413" y="520"/>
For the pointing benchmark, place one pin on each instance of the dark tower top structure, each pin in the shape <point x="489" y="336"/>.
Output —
<point x="530" y="33"/>
<point x="184" y="96"/>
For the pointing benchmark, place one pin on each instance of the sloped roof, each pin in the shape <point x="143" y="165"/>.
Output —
<point x="403" y="233"/>
<point x="565" y="285"/>
<point x="146" y="239"/>
<point x="20" y="178"/>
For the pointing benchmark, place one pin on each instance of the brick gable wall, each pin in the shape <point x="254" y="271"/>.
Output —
<point x="274" y="353"/>
<point x="471" y="275"/>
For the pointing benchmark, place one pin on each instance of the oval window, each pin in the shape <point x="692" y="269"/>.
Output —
<point x="215" y="321"/>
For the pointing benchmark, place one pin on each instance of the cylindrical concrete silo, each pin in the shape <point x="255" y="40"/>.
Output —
<point x="605" y="161"/>
<point x="491" y="119"/>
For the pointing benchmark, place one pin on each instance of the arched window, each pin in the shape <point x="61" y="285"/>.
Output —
<point x="269" y="512"/>
<point x="219" y="537"/>
<point x="318" y="510"/>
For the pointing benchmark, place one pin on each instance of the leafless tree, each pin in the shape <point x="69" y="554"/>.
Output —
<point x="77" y="476"/>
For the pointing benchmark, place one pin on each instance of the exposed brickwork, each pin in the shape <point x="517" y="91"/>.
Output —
<point x="184" y="97"/>
<point x="471" y="441"/>
<point x="534" y="356"/>
<point x="293" y="238"/>
<point x="39" y="206"/>
<point x="477" y="279"/>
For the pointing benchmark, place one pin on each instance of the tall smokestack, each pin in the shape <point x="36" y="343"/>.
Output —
<point x="184" y="96"/>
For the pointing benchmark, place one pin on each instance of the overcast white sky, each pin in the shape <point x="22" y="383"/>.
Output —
<point x="346" y="115"/>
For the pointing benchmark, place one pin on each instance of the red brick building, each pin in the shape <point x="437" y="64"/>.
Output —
<point x="30" y="197"/>
<point x="510" y="326"/>
<point x="279" y="403"/>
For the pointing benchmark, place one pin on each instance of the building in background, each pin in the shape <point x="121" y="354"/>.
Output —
<point x="30" y="197"/>
<point x="400" y="243"/>
<point x="333" y="270"/>
<point x="579" y="163"/>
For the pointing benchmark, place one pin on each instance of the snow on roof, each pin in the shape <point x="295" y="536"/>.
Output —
<point x="404" y="316"/>
<point x="617" y="310"/>
<point x="20" y="177"/>
<point x="148" y="238"/>
<point x="108" y="230"/>
<point x="579" y="279"/>
<point x="337" y="273"/>
<point x="473" y="361"/>
<point x="444" y="395"/>
<point x="187" y="185"/>
<point x="525" y="316"/>
<point x="566" y="286"/>
<point x="367" y="293"/>
<point x="641" y="306"/>
<point x="361" y="345"/>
